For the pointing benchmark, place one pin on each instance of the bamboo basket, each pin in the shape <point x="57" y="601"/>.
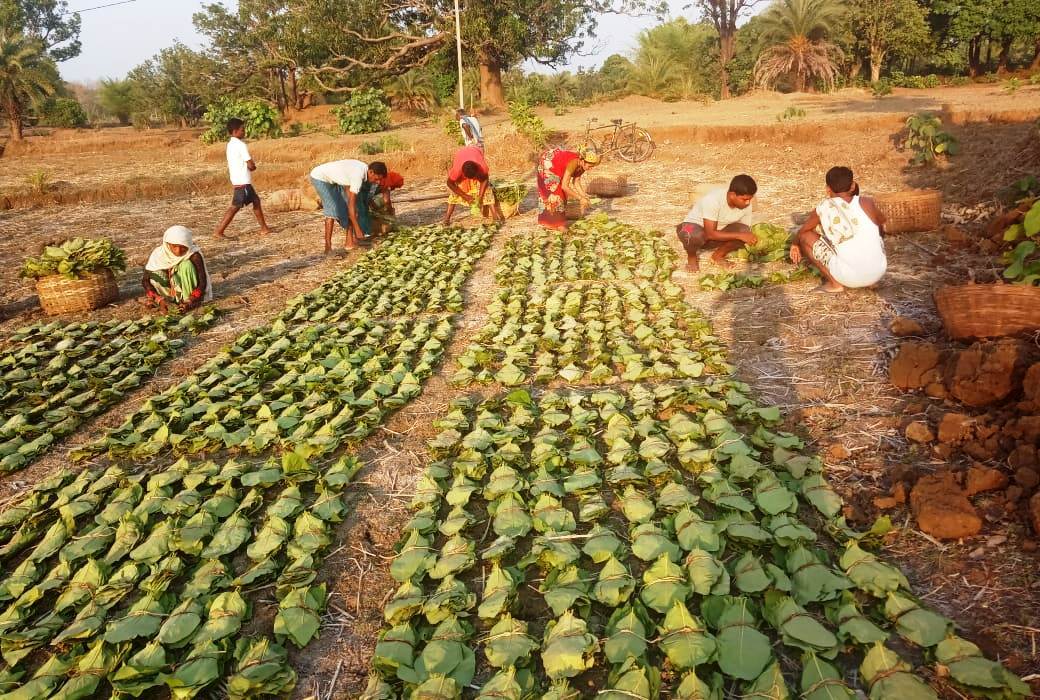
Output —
<point x="911" y="211"/>
<point x="61" y="295"/>
<point x="573" y="210"/>
<point x="988" y="310"/>
<point x="608" y="186"/>
<point x="509" y="210"/>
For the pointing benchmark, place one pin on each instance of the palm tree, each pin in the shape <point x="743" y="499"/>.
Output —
<point x="653" y="74"/>
<point x="795" y="33"/>
<point x="412" y="91"/>
<point x="27" y="77"/>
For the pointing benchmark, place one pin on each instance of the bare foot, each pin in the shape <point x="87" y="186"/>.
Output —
<point x="693" y="264"/>
<point x="223" y="236"/>
<point x="829" y="288"/>
<point x="266" y="232"/>
<point x="722" y="262"/>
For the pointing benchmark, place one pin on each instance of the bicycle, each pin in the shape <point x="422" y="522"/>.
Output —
<point x="631" y="143"/>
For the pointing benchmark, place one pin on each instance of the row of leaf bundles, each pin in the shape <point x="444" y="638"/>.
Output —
<point x="137" y="579"/>
<point x="419" y="270"/>
<point x="595" y="248"/>
<point x="56" y="377"/>
<point x="438" y="656"/>
<point x="314" y="385"/>
<point x="602" y="333"/>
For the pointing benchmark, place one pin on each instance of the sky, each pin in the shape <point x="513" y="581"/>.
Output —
<point x="117" y="38"/>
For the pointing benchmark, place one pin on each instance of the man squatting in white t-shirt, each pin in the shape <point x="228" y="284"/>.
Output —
<point x="240" y="168"/>
<point x="721" y="219"/>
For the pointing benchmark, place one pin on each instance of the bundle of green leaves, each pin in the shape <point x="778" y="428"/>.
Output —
<point x="74" y="258"/>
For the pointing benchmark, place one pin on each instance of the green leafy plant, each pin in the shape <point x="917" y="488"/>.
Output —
<point x="370" y="148"/>
<point x="364" y="113"/>
<point x="1034" y="79"/>
<point x="926" y="139"/>
<point x="881" y="88"/>
<point x="261" y="119"/>
<point x="790" y="114"/>
<point x="1011" y="85"/>
<point x="452" y="128"/>
<point x="1023" y="261"/>
<point x="528" y="124"/>
<point x="74" y="258"/>
<point x="38" y="181"/>
<point x="63" y="113"/>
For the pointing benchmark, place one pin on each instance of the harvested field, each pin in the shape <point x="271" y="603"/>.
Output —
<point x="823" y="359"/>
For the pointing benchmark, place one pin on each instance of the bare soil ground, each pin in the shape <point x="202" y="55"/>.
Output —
<point x="823" y="358"/>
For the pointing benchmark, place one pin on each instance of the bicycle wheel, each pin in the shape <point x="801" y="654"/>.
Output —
<point x="635" y="145"/>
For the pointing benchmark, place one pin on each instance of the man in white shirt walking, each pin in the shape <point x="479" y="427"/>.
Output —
<point x="721" y="219"/>
<point x="471" y="133"/>
<point x="345" y="187"/>
<point x="241" y="167"/>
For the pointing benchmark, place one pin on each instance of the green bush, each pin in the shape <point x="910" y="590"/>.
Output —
<point x="383" y="145"/>
<point x="452" y="128"/>
<point x="926" y="139"/>
<point x="528" y="124"/>
<point x="63" y="113"/>
<point x="959" y="80"/>
<point x="364" y="113"/>
<point x="881" y="88"/>
<point x="261" y="119"/>
<point x="370" y="148"/>
<point x="932" y="81"/>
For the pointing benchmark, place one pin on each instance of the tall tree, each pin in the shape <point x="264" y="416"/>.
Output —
<point x="49" y="21"/>
<point x="27" y="77"/>
<point x="262" y="43"/>
<point x="175" y="85"/>
<point x="886" y="27"/>
<point x="116" y="97"/>
<point x="382" y="38"/>
<point x="795" y="32"/>
<point x="687" y="48"/>
<point x="724" y="15"/>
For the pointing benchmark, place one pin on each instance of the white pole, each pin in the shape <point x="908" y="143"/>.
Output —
<point x="458" y="47"/>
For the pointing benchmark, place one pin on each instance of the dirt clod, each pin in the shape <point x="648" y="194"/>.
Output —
<point x="838" y="452"/>
<point x="1034" y="512"/>
<point x="1023" y="457"/>
<point x="986" y="373"/>
<point x="955" y="236"/>
<point x="916" y="365"/>
<point x="902" y="327"/>
<point x="1027" y="478"/>
<point x="942" y="509"/>
<point x="918" y="431"/>
<point x="981" y="479"/>
<point x="955" y="427"/>
<point x="1031" y="385"/>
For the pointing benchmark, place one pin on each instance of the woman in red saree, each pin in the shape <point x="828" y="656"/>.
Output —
<point x="559" y="177"/>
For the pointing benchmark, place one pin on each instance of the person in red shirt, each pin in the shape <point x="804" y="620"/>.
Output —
<point x="469" y="180"/>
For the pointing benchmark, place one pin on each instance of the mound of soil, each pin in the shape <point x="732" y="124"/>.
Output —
<point x="942" y="508"/>
<point x="1001" y="436"/>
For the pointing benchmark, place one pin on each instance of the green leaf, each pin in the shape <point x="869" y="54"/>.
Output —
<point x="888" y="676"/>
<point x="568" y="649"/>
<point x="625" y="635"/>
<point x="684" y="639"/>
<point x="663" y="585"/>
<point x="507" y="642"/>
<point x="614" y="585"/>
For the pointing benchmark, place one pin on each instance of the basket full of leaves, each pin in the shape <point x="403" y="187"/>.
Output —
<point x="510" y="195"/>
<point x="77" y="275"/>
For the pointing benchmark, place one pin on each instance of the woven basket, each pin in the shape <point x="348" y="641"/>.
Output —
<point x="510" y="209"/>
<point x="988" y="310"/>
<point x="573" y="210"/>
<point x="608" y="186"/>
<point x="61" y="295"/>
<point x="910" y="211"/>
